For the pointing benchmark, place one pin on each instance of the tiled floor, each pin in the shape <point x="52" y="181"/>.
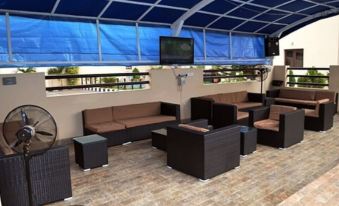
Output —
<point x="137" y="175"/>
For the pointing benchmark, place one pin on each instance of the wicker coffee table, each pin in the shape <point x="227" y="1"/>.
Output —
<point x="91" y="151"/>
<point x="248" y="140"/>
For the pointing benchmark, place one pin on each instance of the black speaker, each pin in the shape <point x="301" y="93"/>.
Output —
<point x="272" y="46"/>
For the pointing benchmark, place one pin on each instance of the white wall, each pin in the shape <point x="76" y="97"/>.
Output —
<point x="320" y="41"/>
<point x="30" y="89"/>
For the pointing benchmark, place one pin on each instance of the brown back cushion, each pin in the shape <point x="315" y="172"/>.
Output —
<point x="319" y="95"/>
<point x="297" y="94"/>
<point x="276" y="110"/>
<point x="194" y="128"/>
<point x="100" y="115"/>
<point x="137" y="110"/>
<point x="233" y="97"/>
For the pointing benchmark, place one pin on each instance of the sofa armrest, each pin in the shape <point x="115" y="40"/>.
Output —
<point x="170" y="109"/>
<point x="255" y="97"/>
<point x="224" y="115"/>
<point x="257" y="115"/>
<point x="273" y="93"/>
<point x="291" y="125"/>
<point x="269" y="101"/>
<point x="201" y="108"/>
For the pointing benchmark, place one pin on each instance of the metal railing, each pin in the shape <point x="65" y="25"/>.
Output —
<point x="215" y="75"/>
<point x="100" y="82"/>
<point x="312" y="78"/>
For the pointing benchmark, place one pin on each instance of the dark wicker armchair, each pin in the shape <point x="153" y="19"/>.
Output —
<point x="278" y="126"/>
<point x="203" y="154"/>
<point x="50" y="176"/>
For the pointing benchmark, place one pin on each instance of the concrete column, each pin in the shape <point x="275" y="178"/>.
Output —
<point x="279" y="73"/>
<point x="334" y="79"/>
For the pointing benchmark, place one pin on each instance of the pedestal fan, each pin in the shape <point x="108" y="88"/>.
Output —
<point x="29" y="130"/>
<point x="262" y="72"/>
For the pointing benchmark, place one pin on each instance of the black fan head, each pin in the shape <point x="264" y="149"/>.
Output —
<point x="31" y="126"/>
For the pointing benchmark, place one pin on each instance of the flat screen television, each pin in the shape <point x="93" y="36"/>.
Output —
<point x="176" y="50"/>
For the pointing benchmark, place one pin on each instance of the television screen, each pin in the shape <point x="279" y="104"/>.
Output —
<point x="176" y="50"/>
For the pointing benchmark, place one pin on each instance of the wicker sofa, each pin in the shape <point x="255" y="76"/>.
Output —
<point x="121" y="124"/>
<point x="201" y="153"/>
<point x="50" y="177"/>
<point x="226" y="108"/>
<point x="319" y="105"/>
<point x="278" y="126"/>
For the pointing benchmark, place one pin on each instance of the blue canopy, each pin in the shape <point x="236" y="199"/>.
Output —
<point x="126" y="32"/>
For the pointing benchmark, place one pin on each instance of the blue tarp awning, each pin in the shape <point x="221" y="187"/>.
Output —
<point x="126" y="32"/>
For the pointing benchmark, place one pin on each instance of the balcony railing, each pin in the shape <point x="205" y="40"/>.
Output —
<point x="311" y="77"/>
<point x="216" y="75"/>
<point x="99" y="82"/>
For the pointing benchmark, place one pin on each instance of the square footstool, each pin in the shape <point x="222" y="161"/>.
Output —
<point x="248" y="140"/>
<point x="159" y="139"/>
<point x="90" y="151"/>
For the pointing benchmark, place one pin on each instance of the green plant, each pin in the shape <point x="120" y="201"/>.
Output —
<point x="27" y="70"/>
<point x="135" y="77"/>
<point x="317" y="80"/>
<point x="55" y="70"/>
<point x="292" y="79"/>
<point x="71" y="70"/>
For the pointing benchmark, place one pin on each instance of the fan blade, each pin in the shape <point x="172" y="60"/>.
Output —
<point x="24" y="118"/>
<point x="35" y="124"/>
<point x="44" y="133"/>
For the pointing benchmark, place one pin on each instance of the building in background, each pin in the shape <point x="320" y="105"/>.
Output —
<point x="315" y="45"/>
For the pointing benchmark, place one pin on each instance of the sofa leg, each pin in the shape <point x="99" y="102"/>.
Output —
<point x="281" y="148"/>
<point x="323" y="132"/>
<point x="201" y="180"/>
<point x="86" y="170"/>
<point x="68" y="199"/>
<point x="237" y="168"/>
<point x="106" y="165"/>
<point x="169" y="167"/>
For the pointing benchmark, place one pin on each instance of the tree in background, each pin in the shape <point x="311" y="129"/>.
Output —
<point x="27" y="70"/>
<point x="135" y="77"/>
<point x="292" y="79"/>
<point x="313" y="80"/>
<point x="71" y="70"/>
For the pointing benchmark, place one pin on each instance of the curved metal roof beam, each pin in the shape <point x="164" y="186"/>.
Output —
<point x="177" y="25"/>
<point x="301" y="21"/>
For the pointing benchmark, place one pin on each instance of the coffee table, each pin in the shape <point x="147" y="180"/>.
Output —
<point x="90" y="151"/>
<point x="159" y="139"/>
<point x="248" y="140"/>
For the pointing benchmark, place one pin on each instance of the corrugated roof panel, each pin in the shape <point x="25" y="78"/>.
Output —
<point x="226" y="23"/>
<point x="271" y="15"/>
<point x="163" y="15"/>
<point x="220" y="6"/>
<point x="85" y="8"/>
<point x="247" y="11"/>
<point x="199" y="19"/>
<point x="118" y="10"/>
<point x="250" y="26"/>
<point x="271" y="29"/>
<point x="28" y="5"/>
<point x="296" y="6"/>
<point x="291" y="18"/>
<point x="185" y="3"/>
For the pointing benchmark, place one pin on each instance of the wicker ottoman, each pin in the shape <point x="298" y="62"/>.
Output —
<point x="159" y="139"/>
<point x="248" y="138"/>
<point x="90" y="151"/>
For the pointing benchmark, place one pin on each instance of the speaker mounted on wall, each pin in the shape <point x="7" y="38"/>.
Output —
<point x="271" y="46"/>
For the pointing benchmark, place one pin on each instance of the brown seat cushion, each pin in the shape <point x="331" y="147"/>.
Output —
<point x="276" y="110"/>
<point x="136" y="110"/>
<point x="331" y="95"/>
<point x="297" y="101"/>
<point x="268" y="124"/>
<point x="146" y="120"/>
<point x="242" y="115"/>
<point x="297" y="94"/>
<point x="246" y="105"/>
<point x="100" y="115"/>
<point x="105" y="127"/>
<point x="194" y="128"/>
